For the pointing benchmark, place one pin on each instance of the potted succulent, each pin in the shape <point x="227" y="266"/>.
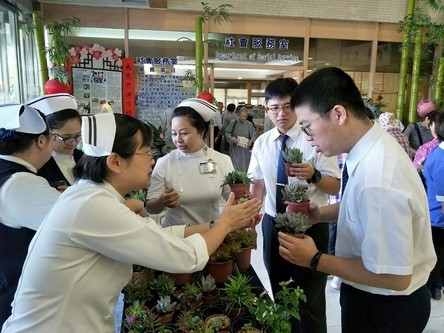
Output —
<point x="210" y="294"/>
<point x="238" y="294"/>
<point x="292" y="223"/>
<point x="138" y="318"/>
<point x="162" y="285"/>
<point x="291" y="155"/>
<point x="247" y="240"/>
<point x="275" y="315"/>
<point x="189" y="322"/>
<point x="218" y="322"/>
<point x="165" y="309"/>
<point x="190" y="297"/>
<point x="296" y="198"/>
<point x="220" y="264"/>
<point x="141" y="274"/>
<point x="239" y="182"/>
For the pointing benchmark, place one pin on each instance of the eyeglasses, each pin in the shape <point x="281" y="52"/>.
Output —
<point x="276" y="108"/>
<point x="66" y="140"/>
<point x="147" y="153"/>
<point x="306" y="129"/>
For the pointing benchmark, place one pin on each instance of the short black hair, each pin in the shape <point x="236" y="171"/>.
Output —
<point x="439" y="124"/>
<point x="231" y="107"/>
<point x="280" y="88"/>
<point x="12" y="141"/>
<point x="56" y="120"/>
<point x="194" y="117"/>
<point x="326" y="88"/>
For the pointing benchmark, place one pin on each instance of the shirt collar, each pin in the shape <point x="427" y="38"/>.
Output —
<point x="293" y="132"/>
<point x="19" y="161"/>
<point x="361" y="147"/>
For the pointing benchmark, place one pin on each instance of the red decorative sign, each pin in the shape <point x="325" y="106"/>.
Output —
<point x="128" y="83"/>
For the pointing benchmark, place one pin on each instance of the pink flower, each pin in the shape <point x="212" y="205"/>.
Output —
<point x="96" y="54"/>
<point x="75" y="59"/>
<point x="78" y="48"/>
<point x="131" y="319"/>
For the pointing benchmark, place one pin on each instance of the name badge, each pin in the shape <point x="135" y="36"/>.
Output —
<point x="207" y="167"/>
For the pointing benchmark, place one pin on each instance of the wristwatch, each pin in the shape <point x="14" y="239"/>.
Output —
<point x="316" y="177"/>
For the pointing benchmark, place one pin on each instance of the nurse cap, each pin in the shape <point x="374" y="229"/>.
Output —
<point x="22" y="118"/>
<point x="205" y="109"/>
<point x="98" y="133"/>
<point x="49" y="104"/>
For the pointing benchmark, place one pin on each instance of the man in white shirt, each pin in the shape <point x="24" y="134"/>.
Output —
<point x="319" y="173"/>
<point x="384" y="250"/>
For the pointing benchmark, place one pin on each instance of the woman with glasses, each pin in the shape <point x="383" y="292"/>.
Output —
<point x="82" y="255"/>
<point x="25" y="198"/>
<point x="64" y="122"/>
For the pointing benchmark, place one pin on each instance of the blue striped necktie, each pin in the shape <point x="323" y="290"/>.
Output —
<point x="344" y="179"/>
<point x="282" y="178"/>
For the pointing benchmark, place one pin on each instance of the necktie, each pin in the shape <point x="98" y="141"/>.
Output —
<point x="282" y="178"/>
<point x="344" y="179"/>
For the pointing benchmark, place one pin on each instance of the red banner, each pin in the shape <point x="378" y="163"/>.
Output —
<point x="128" y="83"/>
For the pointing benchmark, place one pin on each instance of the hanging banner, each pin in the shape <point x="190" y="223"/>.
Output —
<point x="128" y="83"/>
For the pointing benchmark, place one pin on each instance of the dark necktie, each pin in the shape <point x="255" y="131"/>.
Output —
<point x="344" y="179"/>
<point x="282" y="178"/>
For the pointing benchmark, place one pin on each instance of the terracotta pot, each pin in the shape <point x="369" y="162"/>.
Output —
<point x="243" y="260"/>
<point x="296" y="207"/>
<point x="238" y="190"/>
<point x="164" y="318"/>
<point x="220" y="271"/>
<point x="211" y="297"/>
<point x="226" y="319"/>
<point x="180" y="278"/>
<point x="145" y="275"/>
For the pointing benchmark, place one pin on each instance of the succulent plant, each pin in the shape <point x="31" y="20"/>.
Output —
<point x="292" y="155"/>
<point x="164" y="304"/>
<point x="237" y="177"/>
<point x="294" y="223"/>
<point x="295" y="192"/>
<point x="207" y="283"/>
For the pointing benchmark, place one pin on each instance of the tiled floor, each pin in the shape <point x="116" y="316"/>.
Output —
<point x="435" y="324"/>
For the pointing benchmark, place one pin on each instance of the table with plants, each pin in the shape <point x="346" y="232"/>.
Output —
<point x="227" y="296"/>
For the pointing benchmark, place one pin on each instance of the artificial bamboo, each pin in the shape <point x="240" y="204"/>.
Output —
<point x="415" y="75"/>
<point x="40" y="45"/>
<point x="439" y="81"/>
<point x="400" y="102"/>
<point x="199" y="53"/>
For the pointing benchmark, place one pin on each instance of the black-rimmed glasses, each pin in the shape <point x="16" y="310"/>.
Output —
<point x="69" y="140"/>
<point x="276" y="108"/>
<point x="306" y="128"/>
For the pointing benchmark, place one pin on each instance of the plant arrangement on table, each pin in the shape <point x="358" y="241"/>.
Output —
<point x="291" y="155"/>
<point x="292" y="223"/>
<point x="296" y="198"/>
<point x="239" y="182"/>
<point x="275" y="315"/>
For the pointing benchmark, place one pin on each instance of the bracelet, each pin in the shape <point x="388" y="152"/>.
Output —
<point x="212" y="223"/>
<point x="315" y="260"/>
